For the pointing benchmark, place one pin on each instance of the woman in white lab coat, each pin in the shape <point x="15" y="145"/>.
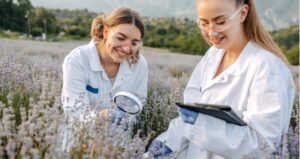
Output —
<point x="244" y="69"/>
<point x="111" y="62"/>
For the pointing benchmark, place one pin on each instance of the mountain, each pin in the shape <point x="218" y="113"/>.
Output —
<point x="275" y="14"/>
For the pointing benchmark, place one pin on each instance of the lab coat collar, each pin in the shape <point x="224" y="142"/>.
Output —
<point x="126" y="68"/>
<point x="124" y="71"/>
<point x="239" y="66"/>
<point x="94" y="58"/>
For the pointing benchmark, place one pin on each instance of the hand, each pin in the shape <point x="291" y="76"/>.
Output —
<point x="118" y="116"/>
<point x="188" y="116"/>
<point x="114" y="115"/>
<point x="159" y="149"/>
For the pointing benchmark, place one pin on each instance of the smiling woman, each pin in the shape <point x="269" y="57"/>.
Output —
<point x="243" y="69"/>
<point x="110" y="63"/>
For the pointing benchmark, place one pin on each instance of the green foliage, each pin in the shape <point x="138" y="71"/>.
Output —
<point x="287" y="37"/>
<point x="193" y="44"/>
<point x="37" y="31"/>
<point x="12" y="14"/>
<point x="44" y="20"/>
<point x="178" y="35"/>
<point x="74" y="24"/>
<point x="24" y="5"/>
<point x="288" y="41"/>
<point x="293" y="55"/>
<point x="77" y="31"/>
<point x="9" y="34"/>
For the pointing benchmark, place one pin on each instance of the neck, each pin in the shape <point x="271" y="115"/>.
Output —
<point x="236" y="49"/>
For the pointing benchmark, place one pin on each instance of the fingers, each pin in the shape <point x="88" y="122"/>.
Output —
<point x="183" y="116"/>
<point x="158" y="153"/>
<point x="187" y="119"/>
<point x="156" y="144"/>
<point x="159" y="149"/>
<point x="121" y="114"/>
<point x="186" y="111"/>
<point x="163" y="151"/>
<point x="190" y="119"/>
<point x="188" y="116"/>
<point x="103" y="113"/>
<point x="181" y="112"/>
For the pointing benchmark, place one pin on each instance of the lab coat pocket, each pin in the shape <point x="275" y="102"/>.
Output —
<point x="92" y="89"/>
<point x="93" y="94"/>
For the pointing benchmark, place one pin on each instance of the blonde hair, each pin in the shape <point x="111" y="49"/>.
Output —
<point x="117" y="17"/>
<point x="255" y="31"/>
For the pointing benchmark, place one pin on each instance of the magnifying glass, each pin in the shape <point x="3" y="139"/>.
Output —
<point x="128" y="102"/>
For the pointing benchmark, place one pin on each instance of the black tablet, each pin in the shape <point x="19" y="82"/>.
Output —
<point x="219" y="111"/>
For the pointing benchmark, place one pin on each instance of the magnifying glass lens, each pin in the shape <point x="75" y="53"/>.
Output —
<point x="127" y="104"/>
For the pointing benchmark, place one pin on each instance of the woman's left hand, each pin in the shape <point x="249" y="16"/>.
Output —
<point x="159" y="149"/>
<point x="188" y="116"/>
<point x="118" y="117"/>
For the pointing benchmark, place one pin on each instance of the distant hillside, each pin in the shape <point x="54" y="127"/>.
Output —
<point x="275" y="13"/>
<point x="288" y="40"/>
<point x="174" y="34"/>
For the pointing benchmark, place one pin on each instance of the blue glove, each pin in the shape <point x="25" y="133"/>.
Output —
<point x="188" y="116"/>
<point x="159" y="149"/>
<point x="118" y="116"/>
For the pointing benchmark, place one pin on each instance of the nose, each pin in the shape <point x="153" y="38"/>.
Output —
<point x="126" y="47"/>
<point x="211" y="31"/>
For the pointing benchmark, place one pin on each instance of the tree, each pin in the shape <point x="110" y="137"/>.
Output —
<point x="25" y="5"/>
<point x="12" y="15"/>
<point x="44" y="20"/>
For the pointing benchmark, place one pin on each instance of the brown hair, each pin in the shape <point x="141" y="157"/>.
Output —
<point x="117" y="17"/>
<point x="255" y="31"/>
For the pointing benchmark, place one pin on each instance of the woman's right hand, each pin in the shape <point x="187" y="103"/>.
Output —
<point x="115" y="115"/>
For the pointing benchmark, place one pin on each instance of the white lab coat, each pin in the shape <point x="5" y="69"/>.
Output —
<point x="258" y="87"/>
<point x="82" y="68"/>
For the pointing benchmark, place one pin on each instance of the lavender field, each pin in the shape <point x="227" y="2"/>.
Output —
<point x="31" y="114"/>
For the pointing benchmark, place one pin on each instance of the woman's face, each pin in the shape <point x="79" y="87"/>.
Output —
<point x="122" y="41"/>
<point x="220" y="22"/>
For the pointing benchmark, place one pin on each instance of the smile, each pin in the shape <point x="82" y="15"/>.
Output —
<point x="122" y="52"/>
<point x="217" y="40"/>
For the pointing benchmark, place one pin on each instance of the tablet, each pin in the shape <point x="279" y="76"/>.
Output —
<point x="223" y="112"/>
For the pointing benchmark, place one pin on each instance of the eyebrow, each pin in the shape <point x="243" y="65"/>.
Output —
<point x="215" y="18"/>
<point x="124" y="35"/>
